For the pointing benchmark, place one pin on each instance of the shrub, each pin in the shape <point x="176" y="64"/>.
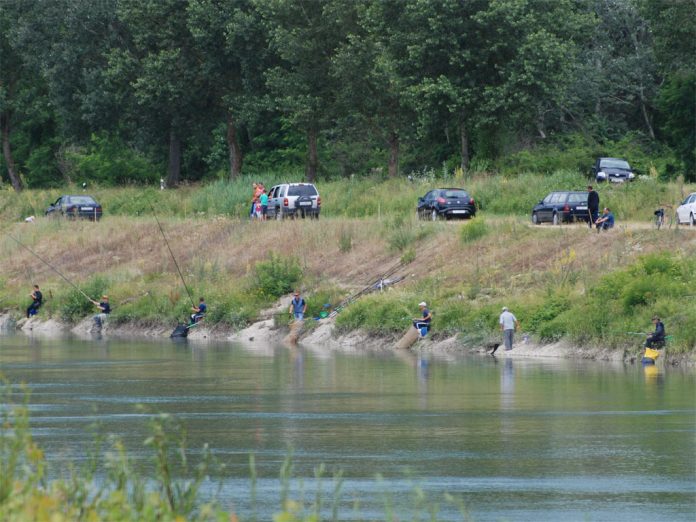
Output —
<point x="472" y="230"/>
<point x="278" y="275"/>
<point x="75" y="305"/>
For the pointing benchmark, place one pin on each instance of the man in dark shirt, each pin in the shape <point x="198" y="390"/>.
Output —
<point x="657" y="338"/>
<point x="592" y="205"/>
<point x="105" y="309"/>
<point x="198" y="311"/>
<point x="37" y="301"/>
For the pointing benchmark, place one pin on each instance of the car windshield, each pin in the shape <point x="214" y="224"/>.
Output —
<point x="610" y="163"/>
<point x="454" y="194"/>
<point x="302" y="190"/>
<point x="81" y="200"/>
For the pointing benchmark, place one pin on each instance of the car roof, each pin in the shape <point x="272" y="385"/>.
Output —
<point x="568" y="192"/>
<point x="77" y="196"/>
<point x="619" y="159"/>
<point x="452" y="188"/>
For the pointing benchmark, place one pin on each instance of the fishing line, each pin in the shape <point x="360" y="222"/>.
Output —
<point x="173" y="258"/>
<point x="53" y="268"/>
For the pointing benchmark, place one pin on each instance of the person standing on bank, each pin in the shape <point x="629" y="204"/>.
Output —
<point x="37" y="301"/>
<point x="298" y="306"/>
<point x="592" y="205"/>
<point x="508" y="324"/>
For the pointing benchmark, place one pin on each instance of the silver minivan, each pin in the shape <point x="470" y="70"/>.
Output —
<point x="294" y="199"/>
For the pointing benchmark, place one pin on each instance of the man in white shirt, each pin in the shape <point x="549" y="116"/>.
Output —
<point x="508" y="325"/>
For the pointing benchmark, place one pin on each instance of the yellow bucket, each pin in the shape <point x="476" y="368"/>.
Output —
<point x="652" y="354"/>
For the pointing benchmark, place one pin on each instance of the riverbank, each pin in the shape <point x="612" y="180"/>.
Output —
<point x="566" y="284"/>
<point x="322" y="336"/>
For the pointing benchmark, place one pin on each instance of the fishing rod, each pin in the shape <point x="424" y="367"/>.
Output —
<point x="54" y="269"/>
<point x="173" y="258"/>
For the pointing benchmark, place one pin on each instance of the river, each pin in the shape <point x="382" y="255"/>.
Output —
<point x="542" y="440"/>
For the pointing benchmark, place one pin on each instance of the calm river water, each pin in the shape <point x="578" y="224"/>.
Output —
<point x="516" y="440"/>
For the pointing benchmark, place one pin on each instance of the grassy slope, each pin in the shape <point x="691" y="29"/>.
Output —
<point x="562" y="281"/>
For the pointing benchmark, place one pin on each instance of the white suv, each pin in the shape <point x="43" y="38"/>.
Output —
<point x="294" y="199"/>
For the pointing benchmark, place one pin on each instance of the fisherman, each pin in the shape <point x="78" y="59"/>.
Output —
<point x="298" y="306"/>
<point x="508" y="324"/>
<point x="198" y="311"/>
<point x="422" y="324"/>
<point x="657" y="338"/>
<point x="606" y="221"/>
<point x="592" y="205"/>
<point x="37" y="301"/>
<point x="104" y="310"/>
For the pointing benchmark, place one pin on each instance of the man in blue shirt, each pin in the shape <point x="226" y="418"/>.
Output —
<point x="606" y="221"/>
<point x="420" y="323"/>
<point x="198" y="311"/>
<point x="298" y="306"/>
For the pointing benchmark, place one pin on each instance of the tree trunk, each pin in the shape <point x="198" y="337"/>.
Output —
<point x="393" y="155"/>
<point x="235" y="151"/>
<point x="312" y="156"/>
<point x="464" y="143"/>
<point x="646" y="116"/>
<point x="174" y="167"/>
<point x="15" y="180"/>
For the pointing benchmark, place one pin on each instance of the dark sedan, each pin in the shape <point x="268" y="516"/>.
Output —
<point x="561" y="206"/>
<point x="75" y="207"/>
<point x="446" y="203"/>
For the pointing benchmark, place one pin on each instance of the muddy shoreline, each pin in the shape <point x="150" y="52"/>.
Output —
<point x="321" y="336"/>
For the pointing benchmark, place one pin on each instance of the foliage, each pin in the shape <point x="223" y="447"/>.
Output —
<point x="278" y="275"/>
<point x="75" y="305"/>
<point x="473" y="230"/>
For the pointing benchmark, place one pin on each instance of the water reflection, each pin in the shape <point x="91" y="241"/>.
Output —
<point x="520" y="439"/>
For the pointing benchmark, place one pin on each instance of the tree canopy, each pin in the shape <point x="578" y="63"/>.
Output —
<point x="130" y="91"/>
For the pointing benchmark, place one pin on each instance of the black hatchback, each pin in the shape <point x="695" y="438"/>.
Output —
<point x="78" y="206"/>
<point x="446" y="203"/>
<point x="562" y="206"/>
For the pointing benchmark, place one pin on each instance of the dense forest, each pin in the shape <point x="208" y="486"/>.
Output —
<point x="126" y="91"/>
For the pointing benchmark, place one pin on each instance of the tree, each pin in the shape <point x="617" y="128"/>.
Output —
<point x="305" y="35"/>
<point x="13" y="71"/>
<point x="163" y="68"/>
<point x="232" y="42"/>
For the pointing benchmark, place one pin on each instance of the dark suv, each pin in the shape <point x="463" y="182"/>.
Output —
<point x="446" y="203"/>
<point x="612" y="169"/>
<point x="562" y="206"/>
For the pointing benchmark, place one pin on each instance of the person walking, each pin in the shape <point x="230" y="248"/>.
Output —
<point x="37" y="301"/>
<point x="298" y="306"/>
<point x="592" y="205"/>
<point x="508" y="324"/>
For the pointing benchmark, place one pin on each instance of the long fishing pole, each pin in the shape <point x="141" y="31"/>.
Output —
<point x="173" y="258"/>
<point x="53" y="268"/>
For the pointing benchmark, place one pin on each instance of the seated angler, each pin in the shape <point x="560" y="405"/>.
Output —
<point x="422" y="324"/>
<point x="37" y="301"/>
<point x="198" y="311"/>
<point x="606" y="221"/>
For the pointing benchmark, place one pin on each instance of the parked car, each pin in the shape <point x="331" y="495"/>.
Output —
<point x="75" y="206"/>
<point x="686" y="212"/>
<point x="612" y="169"/>
<point x="446" y="203"/>
<point x="561" y="206"/>
<point x="294" y="199"/>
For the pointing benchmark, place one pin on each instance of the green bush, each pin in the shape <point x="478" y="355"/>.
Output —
<point x="278" y="275"/>
<point x="75" y="305"/>
<point x="472" y="230"/>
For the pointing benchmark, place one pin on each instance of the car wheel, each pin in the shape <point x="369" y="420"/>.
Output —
<point x="556" y="219"/>
<point x="692" y="221"/>
<point x="434" y="215"/>
<point x="535" y="219"/>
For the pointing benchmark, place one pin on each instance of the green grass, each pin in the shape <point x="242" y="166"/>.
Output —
<point x="513" y="195"/>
